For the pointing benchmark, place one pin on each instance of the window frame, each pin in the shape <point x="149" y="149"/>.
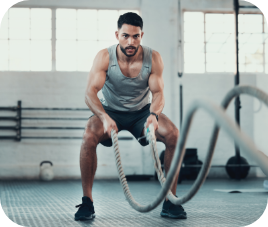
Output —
<point x="243" y="11"/>
<point x="53" y="32"/>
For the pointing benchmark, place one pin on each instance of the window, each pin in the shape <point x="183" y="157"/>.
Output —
<point x="209" y="43"/>
<point x="25" y="40"/>
<point x="251" y="43"/>
<point x="81" y="33"/>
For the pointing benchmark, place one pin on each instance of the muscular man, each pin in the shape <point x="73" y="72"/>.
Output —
<point x="126" y="73"/>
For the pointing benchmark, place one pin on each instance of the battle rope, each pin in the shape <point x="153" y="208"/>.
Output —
<point x="222" y="120"/>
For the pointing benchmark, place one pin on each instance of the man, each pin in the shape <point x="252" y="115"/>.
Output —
<point x="126" y="73"/>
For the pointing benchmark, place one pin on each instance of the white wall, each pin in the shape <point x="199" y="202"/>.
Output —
<point x="66" y="89"/>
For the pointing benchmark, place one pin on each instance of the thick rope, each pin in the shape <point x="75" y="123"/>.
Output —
<point x="222" y="120"/>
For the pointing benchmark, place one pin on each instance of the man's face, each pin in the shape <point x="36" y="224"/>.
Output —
<point x="129" y="38"/>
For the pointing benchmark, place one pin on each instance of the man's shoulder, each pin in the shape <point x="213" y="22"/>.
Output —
<point x="102" y="59"/>
<point x="104" y="53"/>
<point x="155" y="54"/>
<point x="157" y="61"/>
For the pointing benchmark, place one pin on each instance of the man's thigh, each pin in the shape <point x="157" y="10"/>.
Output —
<point x="95" y="125"/>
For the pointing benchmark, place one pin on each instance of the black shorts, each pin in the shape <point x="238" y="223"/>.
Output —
<point x="131" y="121"/>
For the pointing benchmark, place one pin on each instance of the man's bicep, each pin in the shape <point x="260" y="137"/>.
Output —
<point x="97" y="74"/>
<point x="156" y="82"/>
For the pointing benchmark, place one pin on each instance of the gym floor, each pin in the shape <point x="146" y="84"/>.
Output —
<point x="35" y="203"/>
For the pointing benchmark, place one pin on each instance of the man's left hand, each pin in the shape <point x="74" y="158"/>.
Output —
<point x="152" y="120"/>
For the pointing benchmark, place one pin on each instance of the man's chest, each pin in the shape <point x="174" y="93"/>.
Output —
<point x="130" y="70"/>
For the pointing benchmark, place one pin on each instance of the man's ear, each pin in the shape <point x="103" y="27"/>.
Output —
<point x="117" y="35"/>
<point x="142" y="34"/>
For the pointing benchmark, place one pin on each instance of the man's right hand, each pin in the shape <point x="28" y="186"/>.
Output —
<point x="109" y="124"/>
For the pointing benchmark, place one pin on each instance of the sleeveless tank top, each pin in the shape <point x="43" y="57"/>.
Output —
<point x="123" y="93"/>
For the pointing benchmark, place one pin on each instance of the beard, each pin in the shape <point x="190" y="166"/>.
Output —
<point x="125" y="53"/>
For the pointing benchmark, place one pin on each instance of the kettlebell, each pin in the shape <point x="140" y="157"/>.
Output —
<point x="46" y="171"/>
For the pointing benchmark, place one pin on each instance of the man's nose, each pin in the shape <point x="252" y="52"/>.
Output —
<point x="130" y="41"/>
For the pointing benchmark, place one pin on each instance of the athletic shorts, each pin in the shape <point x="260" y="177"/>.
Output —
<point x="132" y="121"/>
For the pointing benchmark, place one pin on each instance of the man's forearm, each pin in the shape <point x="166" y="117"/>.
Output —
<point x="94" y="104"/>
<point x="158" y="103"/>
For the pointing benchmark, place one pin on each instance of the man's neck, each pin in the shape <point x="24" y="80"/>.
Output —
<point x="123" y="58"/>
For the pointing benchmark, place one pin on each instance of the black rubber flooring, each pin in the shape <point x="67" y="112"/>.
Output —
<point x="34" y="203"/>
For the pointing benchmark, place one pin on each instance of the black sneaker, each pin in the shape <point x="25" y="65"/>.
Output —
<point x="170" y="210"/>
<point x="86" y="210"/>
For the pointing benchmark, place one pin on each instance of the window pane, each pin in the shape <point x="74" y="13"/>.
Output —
<point x="193" y="37"/>
<point x="220" y="42"/>
<point x="256" y="38"/>
<point x="228" y="48"/>
<point x="19" y="55"/>
<point x="217" y="38"/>
<point x="215" y="58"/>
<point x="41" y="24"/>
<point x="213" y="27"/>
<point x="19" y="23"/>
<point x="86" y="52"/>
<point x="105" y="44"/>
<point x="215" y="67"/>
<point x="242" y="68"/>
<point x="3" y="54"/>
<point x="228" y="25"/>
<point x="251" y="48"/>
<point x="266" y="51"/>
<point x="194" y="17"/>
<point x="250" y="23"/>
<point x="87" y="24"/>
<point x="107" y="24"/>
<point x="4" y="27"/>
<point x="251" y="62"/>
<point x="195" y="58"/>
<point x="107" y="34"/>
<point x="229" y="58"/>
<point x="66" y="24"/>
<point x="66" y="55"/>
<point x="242" y="58"/>
<point x="219" y="23"/>
<point x="194" y="68"/>
<point x="229" y="67"/>
<point x="243" y="37"/>
<point x="194" y="27"/>
<point x="254" y="68"/>
<point x="190" y="48"/>
<point x="265" y="26"/>
<point x="213" y="47"/>
<point x="41" y="59"/>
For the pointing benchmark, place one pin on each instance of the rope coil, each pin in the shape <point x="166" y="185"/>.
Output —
<point x="221" y="120"/>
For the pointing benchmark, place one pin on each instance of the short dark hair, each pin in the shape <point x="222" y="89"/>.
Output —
<point x="130" y="18"/>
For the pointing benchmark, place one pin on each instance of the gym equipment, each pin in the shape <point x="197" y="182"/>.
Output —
<point x="46" y="171"/>
<point x="222" y="120"/>
<point x="240" y="169"/>
<point x="190" y="165"/>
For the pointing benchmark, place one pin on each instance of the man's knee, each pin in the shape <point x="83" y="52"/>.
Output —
<point x="90" y="139"/>
<point x="172" y="138"/>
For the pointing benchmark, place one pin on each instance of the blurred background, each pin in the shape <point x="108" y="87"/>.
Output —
<point x="47" y="50"/>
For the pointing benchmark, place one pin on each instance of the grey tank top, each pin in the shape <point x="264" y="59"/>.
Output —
<point x="123" y="93"/>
